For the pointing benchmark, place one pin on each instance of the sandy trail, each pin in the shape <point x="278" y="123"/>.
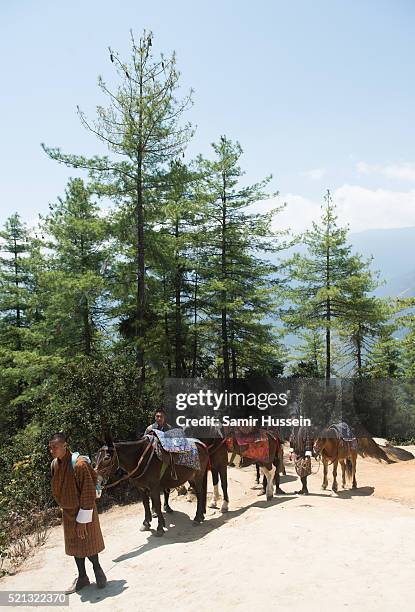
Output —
<point x="352" y="551"/>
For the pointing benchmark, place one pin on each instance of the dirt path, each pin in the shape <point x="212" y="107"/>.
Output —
<point x="351" y="551"/>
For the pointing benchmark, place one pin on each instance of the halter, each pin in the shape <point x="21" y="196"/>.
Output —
<point x="110" y="469"/>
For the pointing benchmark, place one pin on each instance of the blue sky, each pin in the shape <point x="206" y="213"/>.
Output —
<point x="319" y="93"/>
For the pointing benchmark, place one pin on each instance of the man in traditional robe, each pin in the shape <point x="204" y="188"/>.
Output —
<point x="160" y="422"/>
<point x="301" y="443"/>
<point x="74" y="489"/>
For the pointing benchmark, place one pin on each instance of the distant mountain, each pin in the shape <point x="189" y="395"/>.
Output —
<point x="393" y="252"/>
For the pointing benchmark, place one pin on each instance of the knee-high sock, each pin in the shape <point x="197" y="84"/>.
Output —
<point x="95" y="562"/>
<point x="80" y="563"/>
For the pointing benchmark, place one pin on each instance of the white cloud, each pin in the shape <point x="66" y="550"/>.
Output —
<point x="404" y="171"/>
<point x="357" y="206"/>
<point x="315" y="174"/>
<point x="364" y="208"/>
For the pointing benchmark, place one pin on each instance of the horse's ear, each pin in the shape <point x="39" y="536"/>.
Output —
<point x="108" y="438"/>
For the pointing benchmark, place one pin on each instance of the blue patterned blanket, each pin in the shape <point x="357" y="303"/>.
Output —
<point x="174" y="441"/>
<point x="345" y="432"/>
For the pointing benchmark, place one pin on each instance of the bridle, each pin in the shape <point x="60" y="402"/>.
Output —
<point x="114" y="465"/>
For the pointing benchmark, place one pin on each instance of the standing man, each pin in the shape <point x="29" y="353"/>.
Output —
<point x="160" y="424"/>
<point x="73" y="487"/>
<point x="301" y="443"/>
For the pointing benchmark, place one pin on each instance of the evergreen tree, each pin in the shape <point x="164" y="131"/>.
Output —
<point x="309" y="357"/>
<point x="78" y="263"/>
<point x="385" y="356"/>
<point x="329" y="285"/>
<point x="22" y="365"/>
<point x="237" y="284"/>
<point x="141" y="128"/>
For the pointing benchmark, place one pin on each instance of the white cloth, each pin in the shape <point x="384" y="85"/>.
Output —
<point x="84" y="516"/>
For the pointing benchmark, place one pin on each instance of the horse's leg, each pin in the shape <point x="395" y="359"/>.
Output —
<point x="215" y="479"/>
<point x="224" y="484"/>
<point x="279" y="469"/>
<point x="167" y="508"/>
<point x="264" y="486"/>
<point x="270" y="480"/>
<point x="343" y="466"/>
<point x="155" y="499"/>
<point x="147" y="512"/>
<point x="354" y="462"/>
<point x="200" y="485"/>
<point x="325" y="470"/>
<point x="282" y="462"/>
<point x="257" y="473"/>
<point x="334" y="486"/>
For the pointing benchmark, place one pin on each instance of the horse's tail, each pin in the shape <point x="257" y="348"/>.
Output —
<point x="349" y="468"/>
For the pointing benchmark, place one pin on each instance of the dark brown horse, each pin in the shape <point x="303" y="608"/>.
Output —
<point x="150" y="475"/>
<point x="333" y="449"/>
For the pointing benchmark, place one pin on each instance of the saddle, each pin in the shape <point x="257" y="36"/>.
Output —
<point x="253" y="445"/>
<point x="344" y="433"/>
<point x="173" y="448"/>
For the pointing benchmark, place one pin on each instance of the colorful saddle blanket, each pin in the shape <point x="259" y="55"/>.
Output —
<point x="184" y="450"/>
<point x="253" y="445"/>
<point x="345" y="433"/>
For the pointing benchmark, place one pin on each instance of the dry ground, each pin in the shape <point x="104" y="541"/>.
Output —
<point x="353" y="551"/>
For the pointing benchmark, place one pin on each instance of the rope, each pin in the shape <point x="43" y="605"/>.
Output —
<point x="129" y="474"/>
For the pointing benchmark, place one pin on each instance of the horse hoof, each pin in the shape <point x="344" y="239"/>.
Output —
<point x="224" y="507"/>
<point x="213" y="505"/>
<point x="279" y="492"/>
<point x="269" y="497"/>
<point x="154" y="514"/>
<point x="145" y="528"/>
<point x="168" y="509"/>
<point x="324" y="487"/>
<point x="159" y="533"/>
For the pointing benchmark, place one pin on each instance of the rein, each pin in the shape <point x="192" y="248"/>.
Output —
<point x="130" y="474"/>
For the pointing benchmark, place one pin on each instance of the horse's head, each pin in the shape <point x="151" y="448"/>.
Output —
<point x="106" y="462"/>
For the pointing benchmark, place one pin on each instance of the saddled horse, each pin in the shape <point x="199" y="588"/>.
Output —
<point x="215" y="440"/>
<point x="334" y="449"/>
<point x="269" y="469"/>
<point x="150" y="475"/>
<point x="280" y="469"/>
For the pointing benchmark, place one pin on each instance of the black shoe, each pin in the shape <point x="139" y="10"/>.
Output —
<point x="79" y="583"/>
<point x="100" y="578"/>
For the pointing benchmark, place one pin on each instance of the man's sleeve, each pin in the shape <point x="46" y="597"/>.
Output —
<point x="86" y="485"/>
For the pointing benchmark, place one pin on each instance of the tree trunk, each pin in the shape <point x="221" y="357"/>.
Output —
<point x="178" y="318"/>
<point x="233" y="356"/>
<point x="195" y="338"/>
<point x="225" y="347"/>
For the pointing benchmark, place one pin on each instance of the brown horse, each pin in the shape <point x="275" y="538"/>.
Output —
<point x="269" y="469"/>
<point x="333" y="449"/>
<point x="145" y="469"/>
